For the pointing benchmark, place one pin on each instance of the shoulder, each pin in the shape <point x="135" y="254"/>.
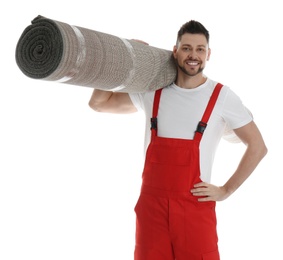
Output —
<point x="140" y="100"/>
<point x="227" y="94"/>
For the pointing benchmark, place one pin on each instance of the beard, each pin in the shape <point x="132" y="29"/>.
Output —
<point x="188" y="73"/>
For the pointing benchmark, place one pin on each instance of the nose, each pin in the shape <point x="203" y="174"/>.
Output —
<point x="193" y="54"/>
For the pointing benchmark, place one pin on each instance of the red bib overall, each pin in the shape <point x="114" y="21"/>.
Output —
<point x="171" y="224"/>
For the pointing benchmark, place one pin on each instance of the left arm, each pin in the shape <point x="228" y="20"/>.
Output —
<point x="254" y="153"/>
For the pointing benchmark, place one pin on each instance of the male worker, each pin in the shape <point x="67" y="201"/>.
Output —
<point x="185" y="121"/>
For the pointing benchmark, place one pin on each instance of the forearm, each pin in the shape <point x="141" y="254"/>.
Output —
<point x="251" y="158"/>
<point x="98" y="98"/>
<point x="111" y="102"/>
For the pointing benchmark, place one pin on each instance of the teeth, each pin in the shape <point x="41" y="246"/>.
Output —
<point x="192" y="63"/>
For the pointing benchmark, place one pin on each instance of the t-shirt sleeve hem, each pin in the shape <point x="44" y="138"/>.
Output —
<point x="136" y="102"/>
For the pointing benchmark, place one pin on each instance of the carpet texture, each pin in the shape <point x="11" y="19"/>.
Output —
<point x="56" y="51"/>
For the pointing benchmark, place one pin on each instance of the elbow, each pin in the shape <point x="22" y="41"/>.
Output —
<point x="94" y="106"/>
<point x="99" y="100"/>
<point x="258" y="150"/>
<point x="264" y="151"/>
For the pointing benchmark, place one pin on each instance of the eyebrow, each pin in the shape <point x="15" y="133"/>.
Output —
<point x="201" y="45"/>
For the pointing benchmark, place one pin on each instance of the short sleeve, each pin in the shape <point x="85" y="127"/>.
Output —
<point x="138" y="100"/>
<point x="236" y="115"/>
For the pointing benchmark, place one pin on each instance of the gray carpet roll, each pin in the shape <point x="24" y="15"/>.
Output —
<point x="56" y="51"/>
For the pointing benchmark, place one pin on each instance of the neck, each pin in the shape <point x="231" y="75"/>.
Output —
<point x="190" y="82"/>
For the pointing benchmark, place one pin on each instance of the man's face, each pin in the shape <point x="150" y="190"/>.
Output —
<point x="191" y="53"/>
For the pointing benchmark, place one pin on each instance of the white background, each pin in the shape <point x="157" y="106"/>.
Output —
<point x="70" y="177"/>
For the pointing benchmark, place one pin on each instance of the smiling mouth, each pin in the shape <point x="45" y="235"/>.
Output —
<point x="192" y="63"/>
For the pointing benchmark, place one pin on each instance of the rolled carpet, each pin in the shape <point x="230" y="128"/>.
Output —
<point x="56" y="51"/>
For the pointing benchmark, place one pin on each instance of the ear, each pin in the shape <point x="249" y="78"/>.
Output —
<point x="208" y="54"/>
<point x="174" y="51"/>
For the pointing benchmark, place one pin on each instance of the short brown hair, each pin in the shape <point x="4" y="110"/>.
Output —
<point x="192" y="27"/>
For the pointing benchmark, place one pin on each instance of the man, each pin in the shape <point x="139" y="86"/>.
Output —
<point x="185" y="122"/>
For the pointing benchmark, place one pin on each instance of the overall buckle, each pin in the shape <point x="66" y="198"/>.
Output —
<point x="153" y="121"/>
<point x="201" y="127"/>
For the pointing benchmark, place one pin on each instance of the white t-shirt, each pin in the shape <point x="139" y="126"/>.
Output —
<point x="180" y="111"/>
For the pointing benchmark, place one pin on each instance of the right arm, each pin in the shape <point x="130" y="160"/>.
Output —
<point x="111" y="102"/>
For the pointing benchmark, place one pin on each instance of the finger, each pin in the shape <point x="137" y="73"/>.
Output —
<point x="201" y="193"/>
<point x="205" y="199"/>
<point x="140" y="41"/>
<point x="200" y="184"/>
<point x="200" y="189"/>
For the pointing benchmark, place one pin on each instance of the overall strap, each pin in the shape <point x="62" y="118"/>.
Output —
<point x="153" y="120"/>
<point x="209" y="108"/>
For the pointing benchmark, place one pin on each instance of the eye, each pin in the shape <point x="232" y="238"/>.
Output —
<point x="186" y="48"/>
<point x="201" y="50"/>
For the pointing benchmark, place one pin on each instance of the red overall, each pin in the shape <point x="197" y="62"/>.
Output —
<point x="171" y="224"/>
